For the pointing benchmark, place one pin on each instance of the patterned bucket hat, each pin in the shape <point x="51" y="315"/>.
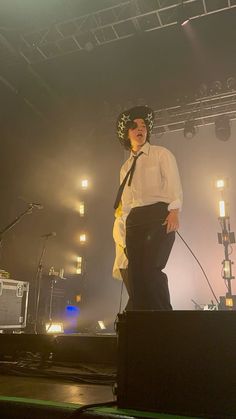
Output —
<point x="125" y="119"/>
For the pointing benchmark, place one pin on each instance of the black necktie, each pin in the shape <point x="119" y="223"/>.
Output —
<point x="129" y="175"/>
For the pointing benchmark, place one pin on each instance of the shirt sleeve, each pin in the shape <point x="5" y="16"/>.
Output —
<point x="171" y="179"/>
<point x="119" y="231"/>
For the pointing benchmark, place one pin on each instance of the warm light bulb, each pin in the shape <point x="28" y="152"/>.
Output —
<point x="84" y="184"/>
<point x="81" y="209"/>
<point x="54" y="328"/>
<point x="101" y="325"/>
<point x="82" y="238"/>
<point x="78" y="265"/>
<point x="229" y="302"/>
<point x="220" y="184"/>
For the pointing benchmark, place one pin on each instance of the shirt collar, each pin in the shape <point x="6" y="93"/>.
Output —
<point x="145" y="149"/>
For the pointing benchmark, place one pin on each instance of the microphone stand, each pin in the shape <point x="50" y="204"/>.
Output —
<point x="14" y="222"/>
<point x="38" y="282"/>
<point x="53" y="282"/>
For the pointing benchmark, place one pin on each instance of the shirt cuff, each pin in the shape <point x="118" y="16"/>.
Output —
<point x="177" y="204"/>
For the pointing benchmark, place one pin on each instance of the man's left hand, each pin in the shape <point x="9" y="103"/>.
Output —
<point x="172" y="221"/>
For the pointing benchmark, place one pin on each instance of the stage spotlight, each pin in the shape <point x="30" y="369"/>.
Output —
<point x="229" y="302"/>
<point x="88" y="46"/>
<point x="101" y="325"/>
<point x="81" y="209"/>
<point x="231" y="83"/>
<point x="227" y="268"/>
<point x="216" y="88"/>
<point x="203" y="90"/>
<point x="182" y="15"/>
<point x="83" y="238"/>
<point x="84" y="184"/>
<point x="222" y="127"/>
<point x="220" y="184"/>
<point x="189" y="129"/>
<point x="54" y="328"/>
<point x="72" y="314"/>
<point x="79" y="261"/>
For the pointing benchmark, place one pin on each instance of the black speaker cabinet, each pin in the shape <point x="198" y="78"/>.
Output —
<point x="180" y="362"/>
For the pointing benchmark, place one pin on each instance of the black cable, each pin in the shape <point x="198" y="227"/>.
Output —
<point x="231" y="249"/>
<point x="30" y="372"/>
<point x="82" y="409"/>
<point x="204" y="273"/>
<point x="120" y="304"/>
<point x="29" y="364"/>
<point x="196" y="305"/>
<point x="121" y="293"/>
<point x="222" y="276"/>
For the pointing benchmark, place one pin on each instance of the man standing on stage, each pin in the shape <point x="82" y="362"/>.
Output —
<point x="147" y="211"/>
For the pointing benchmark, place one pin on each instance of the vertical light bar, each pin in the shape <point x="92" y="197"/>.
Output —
<point x="222" y="208"/>
<point x="227" y="268"/>
<point x="79" y="261"/>
<point x="81" y="209"/>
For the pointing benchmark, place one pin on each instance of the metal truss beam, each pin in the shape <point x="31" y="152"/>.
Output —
<point x="203" y="112"/>
<point x="121" y="21"/>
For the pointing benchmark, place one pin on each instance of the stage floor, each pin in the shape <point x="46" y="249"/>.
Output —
<point x="54" y="390"/>
<point x="36" y="397"/>
<point x="35" y="386"/>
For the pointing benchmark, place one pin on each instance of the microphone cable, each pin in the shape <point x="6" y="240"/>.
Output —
<point x="199" y="264"/>
<point x="121" y="295"/>
<point x="204" y="273"/>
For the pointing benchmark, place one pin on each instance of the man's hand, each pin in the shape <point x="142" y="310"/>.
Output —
<point x="172" y="221"/>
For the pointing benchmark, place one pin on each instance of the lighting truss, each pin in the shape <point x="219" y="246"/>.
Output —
<point x="202" y="111"/>
<point x="120" y="21"/>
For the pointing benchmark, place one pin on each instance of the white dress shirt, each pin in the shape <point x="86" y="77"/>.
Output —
<point x="156" y="179"/>
<point x="121" y="261"/>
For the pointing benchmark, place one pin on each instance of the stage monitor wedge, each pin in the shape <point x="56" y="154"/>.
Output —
<point x="179" y="362"/>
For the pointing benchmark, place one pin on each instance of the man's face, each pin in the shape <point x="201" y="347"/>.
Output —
<point x="137" y="134"/>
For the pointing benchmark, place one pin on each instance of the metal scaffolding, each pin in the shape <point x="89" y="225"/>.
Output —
<point x="203" y="111"/>
<point x="120" y="21"/>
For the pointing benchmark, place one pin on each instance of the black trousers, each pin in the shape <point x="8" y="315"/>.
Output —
<point x="148" y="248"/>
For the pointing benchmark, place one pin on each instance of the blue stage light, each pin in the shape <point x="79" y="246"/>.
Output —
<point x="73" y="310"/>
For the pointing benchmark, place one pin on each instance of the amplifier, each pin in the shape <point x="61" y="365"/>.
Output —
<point x="13" y="303"/>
